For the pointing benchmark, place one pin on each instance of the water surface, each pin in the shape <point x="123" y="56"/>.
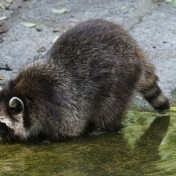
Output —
<point x="145" y="146"/>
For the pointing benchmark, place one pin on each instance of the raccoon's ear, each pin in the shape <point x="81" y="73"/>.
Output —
<point x="16" y="104"/>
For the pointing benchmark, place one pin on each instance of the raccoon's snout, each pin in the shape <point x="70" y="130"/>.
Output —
<point x="6" y="133"/>
<point x="4" y="130"/>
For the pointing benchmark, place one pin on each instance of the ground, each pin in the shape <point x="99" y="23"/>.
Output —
<point x="152" y="23"/>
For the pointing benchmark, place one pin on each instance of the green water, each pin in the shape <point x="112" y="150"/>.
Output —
<point x="145" y="146"/>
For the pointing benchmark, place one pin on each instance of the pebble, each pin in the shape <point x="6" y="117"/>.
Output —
<point x="56" y="30"/>
<point x="5" y="67"/>
<point x="3" y="29"/>
<point x="36" y="58"/>
<point x="3" y="18"/>
<point x="2" y="23"/>
<point x="42" y="49"/>
<point x="39" y="29"/>
<point x="1" y="40"/>
<point x="1" y="77"/>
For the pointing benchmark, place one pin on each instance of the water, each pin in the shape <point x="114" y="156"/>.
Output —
<point x="145" y="146"/>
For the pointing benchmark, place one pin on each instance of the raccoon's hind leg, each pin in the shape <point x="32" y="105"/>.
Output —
<point x="110" y="122"/>
<point x="110" y="116"/>
<point x="150" y="90"/>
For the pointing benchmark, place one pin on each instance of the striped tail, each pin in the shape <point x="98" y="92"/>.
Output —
<point x="150" y="90"/>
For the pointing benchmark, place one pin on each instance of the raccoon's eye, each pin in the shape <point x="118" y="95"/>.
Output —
<point x="16" y="104"/>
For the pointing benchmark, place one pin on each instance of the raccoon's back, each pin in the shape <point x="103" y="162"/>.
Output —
<point x="98" y="53"/>
<point x="93" y="38"/>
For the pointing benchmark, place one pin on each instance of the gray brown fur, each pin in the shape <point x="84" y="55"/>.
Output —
<point x="89" y="75"/>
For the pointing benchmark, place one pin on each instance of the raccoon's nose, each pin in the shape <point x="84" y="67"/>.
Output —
<point x="3" y="129"/>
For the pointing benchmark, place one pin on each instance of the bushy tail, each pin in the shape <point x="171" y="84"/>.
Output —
<point x="150" y="90"/>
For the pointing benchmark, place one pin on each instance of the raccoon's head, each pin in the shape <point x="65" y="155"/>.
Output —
<point x="15" y="122"/>
<point x="20" y="117"/>
<point x="12" y="118"/>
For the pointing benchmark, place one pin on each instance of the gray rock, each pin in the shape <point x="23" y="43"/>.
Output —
<point x="152" y="24"/>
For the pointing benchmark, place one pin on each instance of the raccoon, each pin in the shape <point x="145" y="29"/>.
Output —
<point x="88" y="76"/>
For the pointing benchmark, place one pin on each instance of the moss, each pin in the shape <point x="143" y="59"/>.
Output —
<point x="146" y="145"/>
